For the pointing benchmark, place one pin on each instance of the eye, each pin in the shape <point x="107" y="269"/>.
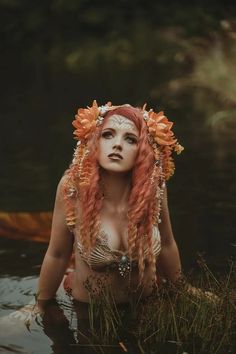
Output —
<point x="107" y="135"/>
<point x="131" y="140"/>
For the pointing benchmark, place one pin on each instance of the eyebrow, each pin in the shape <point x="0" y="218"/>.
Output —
<point x="127" y="133"/>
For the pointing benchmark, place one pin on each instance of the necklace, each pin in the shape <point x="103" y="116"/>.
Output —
<point x="124" y="266"/>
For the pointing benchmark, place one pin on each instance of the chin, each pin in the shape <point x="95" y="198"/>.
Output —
<point x="115" y="170"/>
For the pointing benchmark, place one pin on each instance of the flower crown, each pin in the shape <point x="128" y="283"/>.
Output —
<point x="160" y="135"/>
<point x="87" y="119"/>
<point x="159" y="127"/>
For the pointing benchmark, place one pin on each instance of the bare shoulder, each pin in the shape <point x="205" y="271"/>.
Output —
<point x="66" y="189"/>
<point x="165" y="225"/>
<point x="67" y="197"/>
<point x="165" y="198"/>
<point x="60" y="234"/>
<point x="62" y="187"/>
<point x="164" y="205"/>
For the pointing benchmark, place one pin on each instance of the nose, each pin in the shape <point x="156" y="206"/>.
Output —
<point x="117" y="144"/>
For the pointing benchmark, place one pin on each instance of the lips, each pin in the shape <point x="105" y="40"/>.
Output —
<point x="115" y="156"/>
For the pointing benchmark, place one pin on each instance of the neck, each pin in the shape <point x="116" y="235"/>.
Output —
<point x="116" y="187"/>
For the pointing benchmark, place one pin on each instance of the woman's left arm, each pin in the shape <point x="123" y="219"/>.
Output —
<point x="168" y="262"/>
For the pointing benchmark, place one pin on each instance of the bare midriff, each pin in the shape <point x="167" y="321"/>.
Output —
<point x="88" y="282"/>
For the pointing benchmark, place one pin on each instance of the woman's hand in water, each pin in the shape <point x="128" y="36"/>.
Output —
<point x="39" y="308"/>
<point x="36" y="312"/>
<point x="43" y="306"/>
<point x="33" y="313"/>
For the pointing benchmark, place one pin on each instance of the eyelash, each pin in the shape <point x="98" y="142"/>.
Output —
<point x="108" y="135"/>
<point x="132" y="140"/>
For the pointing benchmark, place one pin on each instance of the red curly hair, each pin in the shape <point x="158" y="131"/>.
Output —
<point x="84" y="175"/>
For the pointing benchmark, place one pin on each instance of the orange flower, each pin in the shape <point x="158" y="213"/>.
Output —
<point x="85" y="121"/>
<point x="160" y="128"/>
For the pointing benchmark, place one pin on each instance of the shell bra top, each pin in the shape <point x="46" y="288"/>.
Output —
<point x="103" y="257"/>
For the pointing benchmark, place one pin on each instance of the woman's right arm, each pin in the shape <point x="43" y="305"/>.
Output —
<point x="58" y="253"/>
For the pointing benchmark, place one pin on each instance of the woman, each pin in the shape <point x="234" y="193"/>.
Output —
<point x="111" y="207"/>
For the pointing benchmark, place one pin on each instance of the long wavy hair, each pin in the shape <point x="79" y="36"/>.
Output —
<point x="83" y="182"/>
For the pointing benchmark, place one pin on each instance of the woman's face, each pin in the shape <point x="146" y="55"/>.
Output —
<point x="118" y="144"/>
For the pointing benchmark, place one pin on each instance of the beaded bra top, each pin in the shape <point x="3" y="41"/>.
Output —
<point x="102" y="256"/>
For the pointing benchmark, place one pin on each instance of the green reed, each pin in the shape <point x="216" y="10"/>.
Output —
<point x="190" y="320"/>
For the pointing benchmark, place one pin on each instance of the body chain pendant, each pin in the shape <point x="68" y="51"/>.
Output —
<point x="124" y="266"/>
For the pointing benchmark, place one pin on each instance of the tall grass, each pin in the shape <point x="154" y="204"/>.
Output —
<point x="174" y="319"/>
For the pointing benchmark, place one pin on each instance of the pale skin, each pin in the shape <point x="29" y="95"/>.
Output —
<point x="119" y="136"/>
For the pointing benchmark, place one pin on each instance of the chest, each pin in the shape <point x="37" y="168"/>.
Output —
<point x="115" y="226"/>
